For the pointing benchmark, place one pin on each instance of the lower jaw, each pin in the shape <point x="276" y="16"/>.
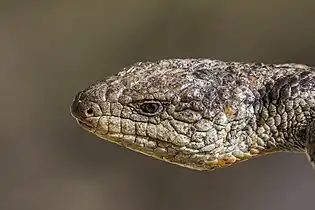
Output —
<point x="170" y="158"/>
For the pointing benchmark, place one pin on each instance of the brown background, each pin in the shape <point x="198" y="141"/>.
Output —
<point x="51" y="50"/>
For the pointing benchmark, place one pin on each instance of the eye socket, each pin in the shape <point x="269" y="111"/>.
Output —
<point x="150" y="107"/>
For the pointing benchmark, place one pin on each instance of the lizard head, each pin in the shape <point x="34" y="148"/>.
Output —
<point x="162" y="110"/>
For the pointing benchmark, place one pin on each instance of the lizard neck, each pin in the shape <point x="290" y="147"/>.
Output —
<point x="286" y="111"/>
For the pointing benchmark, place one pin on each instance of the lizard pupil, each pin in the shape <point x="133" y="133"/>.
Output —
<point x="150" y="107"/>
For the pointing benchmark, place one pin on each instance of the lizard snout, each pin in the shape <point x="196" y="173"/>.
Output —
<point x="86" y="112"/>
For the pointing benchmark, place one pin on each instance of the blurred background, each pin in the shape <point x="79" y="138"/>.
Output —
<point x="49" y="50"/>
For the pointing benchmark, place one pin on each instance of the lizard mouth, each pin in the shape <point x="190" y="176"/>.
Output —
<point x="157" y="151"/>
<point x="87" y="126"/>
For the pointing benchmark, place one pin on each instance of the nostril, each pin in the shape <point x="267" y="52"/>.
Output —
<point x="82" y="109"/>
<point x="89" y="111"/>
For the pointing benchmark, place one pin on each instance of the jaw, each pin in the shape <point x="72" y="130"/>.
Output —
<point x="111" y="130"/>
<point x="158" y="149"/>
<point x="176" y="158"/>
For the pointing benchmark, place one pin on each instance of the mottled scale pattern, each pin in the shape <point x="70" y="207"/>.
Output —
<point x="202" y="113"/>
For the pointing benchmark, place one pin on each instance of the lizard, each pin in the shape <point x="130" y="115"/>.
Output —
<point x="201" y="113"/>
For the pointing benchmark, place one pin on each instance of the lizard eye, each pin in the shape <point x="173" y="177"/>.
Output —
<point x="151" y="107"/>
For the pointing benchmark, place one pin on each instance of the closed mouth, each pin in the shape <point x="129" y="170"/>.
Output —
<point x="86" y="125"/>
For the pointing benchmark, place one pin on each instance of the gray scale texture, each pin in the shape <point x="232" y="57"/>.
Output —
<point x="201" y="113"/>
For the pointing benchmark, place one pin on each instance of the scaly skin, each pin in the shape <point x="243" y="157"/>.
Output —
<point x="202" y="113"/>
